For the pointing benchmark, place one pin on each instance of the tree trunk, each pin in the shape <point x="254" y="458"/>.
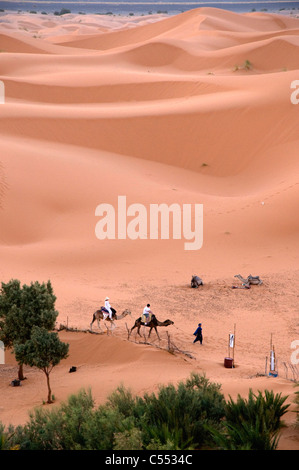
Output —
<point x="49" y="388"/>
<point x="20" y="372"/>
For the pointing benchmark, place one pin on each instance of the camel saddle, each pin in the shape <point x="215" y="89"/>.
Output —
<point x="106" y="311"/>
<point x="144" y="319"/>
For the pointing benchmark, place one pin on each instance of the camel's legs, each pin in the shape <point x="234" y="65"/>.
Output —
<point x="132" y="329"/>
<point x="93" y="319"/>
<point x="157" y="332"/>
<point x="113" y="326"/>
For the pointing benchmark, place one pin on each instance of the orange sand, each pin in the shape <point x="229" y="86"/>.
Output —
<point x="153" y="108"/>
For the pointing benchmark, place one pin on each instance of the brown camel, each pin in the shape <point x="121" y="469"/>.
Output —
<point x="99" y="315"/>
<point x="152" y="324"/>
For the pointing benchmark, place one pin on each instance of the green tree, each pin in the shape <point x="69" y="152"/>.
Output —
<point x="21" y="308"/>
<point x="43" y="350"/>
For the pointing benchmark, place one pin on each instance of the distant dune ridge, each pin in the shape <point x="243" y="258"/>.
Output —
<point x="191" y="108"/>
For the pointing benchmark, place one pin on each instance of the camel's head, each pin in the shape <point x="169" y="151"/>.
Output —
<point x="127" y="312"/>
<point x="169" y="322"/>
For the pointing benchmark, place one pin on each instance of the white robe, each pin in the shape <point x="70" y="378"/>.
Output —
<point x="108" y="307"/>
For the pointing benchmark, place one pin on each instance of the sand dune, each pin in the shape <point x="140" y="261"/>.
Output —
<point x="193" y="108"/>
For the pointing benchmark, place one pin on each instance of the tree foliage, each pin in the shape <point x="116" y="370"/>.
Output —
<point x="22" y="308"/>
<point x="43" y="350"/>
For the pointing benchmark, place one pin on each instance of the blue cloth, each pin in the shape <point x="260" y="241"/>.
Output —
<point x="198" y="334"/>
<point x="197" y="331"/>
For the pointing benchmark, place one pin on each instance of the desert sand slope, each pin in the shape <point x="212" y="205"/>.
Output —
<point x="105" y="363"/>
<point x="189" y="109"/>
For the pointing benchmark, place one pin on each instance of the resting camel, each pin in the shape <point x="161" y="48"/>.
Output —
<point x="153" y="323"/>
<point x="196" y="281"/>
<point x="99" y="315"/>
<point x="255" y="280"/>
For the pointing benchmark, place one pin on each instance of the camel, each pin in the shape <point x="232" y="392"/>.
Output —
<point x="196" y="281"/>
<point x="254" y="280"/>
<point x="99" y="315"/>
<point x="153" y="323"/>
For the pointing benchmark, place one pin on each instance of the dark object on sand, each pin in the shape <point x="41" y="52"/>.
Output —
<point x="196" y="282"/>
<point x="16" y="383"/>
<point x="228" y="362"/>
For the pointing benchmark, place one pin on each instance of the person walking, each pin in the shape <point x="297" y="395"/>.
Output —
<point x="198" y="334"/>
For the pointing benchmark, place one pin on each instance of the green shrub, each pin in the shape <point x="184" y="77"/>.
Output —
<point x="193" y="415"/>
<point x="252" y="424"/>
<point x="181" y="415"/>
<point x="60" y="428"/>
<point x="268" y="406"/>
<point x="64" y="11"/>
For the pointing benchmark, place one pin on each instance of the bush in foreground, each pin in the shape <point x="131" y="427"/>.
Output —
<point x="252" y="424"/>
<point x="193" y="415"/>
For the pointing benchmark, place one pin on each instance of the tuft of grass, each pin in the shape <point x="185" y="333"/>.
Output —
<point x="246" y="66"/>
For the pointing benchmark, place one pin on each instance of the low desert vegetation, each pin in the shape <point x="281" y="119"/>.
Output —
<point x="194" y="415"/>
<point x="246" y="66"/>
<point x="63" y="11"/>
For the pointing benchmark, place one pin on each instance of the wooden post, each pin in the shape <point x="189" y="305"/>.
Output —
<point x="272" y="365"/>
<point x="271" y="342"/>
<point x="128" y="331"/>
<point x="168" y="340"/>
<point x="271" y="353"/>
<point x="231" y="344"/>
<point x="234" y="345"/>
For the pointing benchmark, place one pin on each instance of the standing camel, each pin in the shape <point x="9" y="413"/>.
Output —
<point x="153" y="323"/>
<point x="99" y="315"/>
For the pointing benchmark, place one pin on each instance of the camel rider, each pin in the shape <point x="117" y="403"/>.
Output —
<point x="146" y="313"/>
<point x="108" y="308"/>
